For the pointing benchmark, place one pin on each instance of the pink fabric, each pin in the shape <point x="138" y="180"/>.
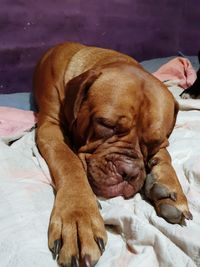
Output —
<point x="177" y="69"/>
<point x="15" y="121"/>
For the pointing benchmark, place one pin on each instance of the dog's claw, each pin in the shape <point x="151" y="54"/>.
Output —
<point x="173" y="196"/>
<point x="100" y="244"/>
<point x="188" y="215"/>
<point x="182" y="222"/>
<point x="99" y="205"/>
<point x="56" y="248"/>
<point x="87" y="261"/>
<point x="153" y="162"/>
<point x="74" y="261"/>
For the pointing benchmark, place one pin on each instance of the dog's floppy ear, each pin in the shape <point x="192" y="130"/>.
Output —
<point x="76" y="91"/>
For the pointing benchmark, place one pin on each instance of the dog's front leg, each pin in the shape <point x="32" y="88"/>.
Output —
<point x="76" y="229"/>
<point x="163" y="188"/>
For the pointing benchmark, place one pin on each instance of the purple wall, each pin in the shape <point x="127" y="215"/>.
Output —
<point x="143" y="29"/>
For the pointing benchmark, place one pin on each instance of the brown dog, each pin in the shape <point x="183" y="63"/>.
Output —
<point x="104" y="124"/>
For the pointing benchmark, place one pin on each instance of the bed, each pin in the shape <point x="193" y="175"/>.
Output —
<point x="136" y="235"/>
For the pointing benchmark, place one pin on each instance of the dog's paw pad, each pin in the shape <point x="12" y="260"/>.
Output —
<point x="159" y="191"/>
<point x="173" y="215"/>
<point x="156" y="191"/>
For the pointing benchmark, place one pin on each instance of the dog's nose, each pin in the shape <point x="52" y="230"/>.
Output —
<point x="129" y="175"/>
<point x="128" y="170"/>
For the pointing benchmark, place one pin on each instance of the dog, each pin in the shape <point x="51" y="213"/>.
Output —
<point x="103" y="128"/>
<point x="194" y="90"/>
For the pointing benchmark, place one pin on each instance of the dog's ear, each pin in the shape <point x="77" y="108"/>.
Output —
<point x="76" y="91"/>
<point x="199" y="56"/>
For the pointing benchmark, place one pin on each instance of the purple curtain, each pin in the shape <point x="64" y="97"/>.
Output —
<point x="142" y="29"/>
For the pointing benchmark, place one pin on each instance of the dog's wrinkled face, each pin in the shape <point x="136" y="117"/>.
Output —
<point x="115" y="168"/>
<point x="108" y="133"/>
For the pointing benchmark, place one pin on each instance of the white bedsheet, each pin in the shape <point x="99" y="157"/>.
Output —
<point x="137" y="236"/>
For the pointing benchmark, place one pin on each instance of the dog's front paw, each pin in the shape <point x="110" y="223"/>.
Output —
<point x="76" y="231"/>
<point x="169" y="201"/>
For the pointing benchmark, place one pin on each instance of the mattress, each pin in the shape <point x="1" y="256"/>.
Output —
<point x="136" y="235"/>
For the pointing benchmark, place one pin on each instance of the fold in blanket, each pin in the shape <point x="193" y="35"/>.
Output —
<point x="178" y="68"/>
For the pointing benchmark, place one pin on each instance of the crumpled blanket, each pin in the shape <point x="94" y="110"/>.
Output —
<point x="136" y="235"/>
<point x="178" y="68"/>
<point x="14" y="122"/>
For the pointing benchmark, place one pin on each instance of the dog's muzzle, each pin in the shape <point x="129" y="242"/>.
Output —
<point x="115" y="175"/>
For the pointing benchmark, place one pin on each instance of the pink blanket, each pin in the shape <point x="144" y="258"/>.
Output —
<point x="15" y="121"/>
<point x="177" y="69"/>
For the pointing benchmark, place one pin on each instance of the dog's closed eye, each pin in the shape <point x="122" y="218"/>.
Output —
<point x="104" y="128"/>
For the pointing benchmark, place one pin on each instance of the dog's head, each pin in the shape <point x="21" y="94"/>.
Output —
<point x="103" y="110"/>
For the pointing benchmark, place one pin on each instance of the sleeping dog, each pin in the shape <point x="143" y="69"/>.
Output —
<point x="103" y="128"/>
<point x="194" y="90"/>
